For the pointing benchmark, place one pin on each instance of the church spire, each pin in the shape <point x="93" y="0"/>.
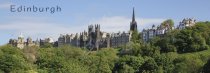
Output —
<point x="133" y="24"/>
<point x="133" y="17"/>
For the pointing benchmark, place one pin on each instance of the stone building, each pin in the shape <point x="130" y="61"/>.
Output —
<point x="161" y="29"/>
<point x="67" y="39"/>
<point x="119" y="39"/>
<point x="93" y="39"/>
<point x="21" y="43"/>
<point x="46" y="41"/>
<point x="155" y="31"/>
<point x="188" y="22"/>
<point x="149" y="33"/>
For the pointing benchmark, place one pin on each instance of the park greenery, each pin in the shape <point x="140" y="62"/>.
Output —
<point x="178" y="51"/>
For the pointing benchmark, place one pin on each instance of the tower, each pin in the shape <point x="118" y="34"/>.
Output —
<point x="20" y="41"/>
<point x="133" y="24"/>
<point x="108" y="40"/>
<point x="90" y="28"/>
<point x="90" y="34"/>
<point x="29" y="42"/>
<point x="97" y="36"/>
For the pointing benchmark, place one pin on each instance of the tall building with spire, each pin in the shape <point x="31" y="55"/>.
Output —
<point x="133" y="24"/>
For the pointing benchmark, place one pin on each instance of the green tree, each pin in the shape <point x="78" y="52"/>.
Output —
<point x="203" y="28"/>
<point x="13" y="60"/>
<point x="149" y="66"/>
<point x="206" y="68"/>
<point x="46" y="45"/>
<point x="128" y="62"/>
<point x="188" y="64"/>
<point x="165" y="45"/>
<point x="165" y="60"/>
<point x="124" y="68"/>
<point x="189" y="41"/>
<point x="150" y="50"/>
<point x="101" y="61"/>
<point x="135" y="37"/>
<point x="169" y="22"/>
<point x="57" y="60"/>
<point x="131" y="48"/>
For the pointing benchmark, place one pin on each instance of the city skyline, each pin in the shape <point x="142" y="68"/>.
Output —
<point x="76" y="16"/>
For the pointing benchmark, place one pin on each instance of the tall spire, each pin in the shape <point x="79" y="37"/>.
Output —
<point x="133" y="24"/>
<point x="133" y="17"/>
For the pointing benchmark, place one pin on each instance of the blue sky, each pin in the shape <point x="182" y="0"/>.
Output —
<point x="76" y="15"/>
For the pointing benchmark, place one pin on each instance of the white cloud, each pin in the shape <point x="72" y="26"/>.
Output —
<point x="41" y="28"/>
<point x="38" y="29"/>
<point x="119" y="23"/>
<point x="32" y="27"/>
<point x="111" y="24"/>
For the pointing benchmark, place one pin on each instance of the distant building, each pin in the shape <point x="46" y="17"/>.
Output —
<point x="93" y="39"/>
<point x="188" y="22"/>
<point x="148" y="34"/>
<point x="162" y="29"/>
<point x="46" y="41"/>
<point x="119" y="39"/>
<point x="155" y="31"/>
<point x="20" y="43"/>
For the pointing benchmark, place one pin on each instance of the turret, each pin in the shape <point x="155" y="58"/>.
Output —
<point x="90" y="28"/>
